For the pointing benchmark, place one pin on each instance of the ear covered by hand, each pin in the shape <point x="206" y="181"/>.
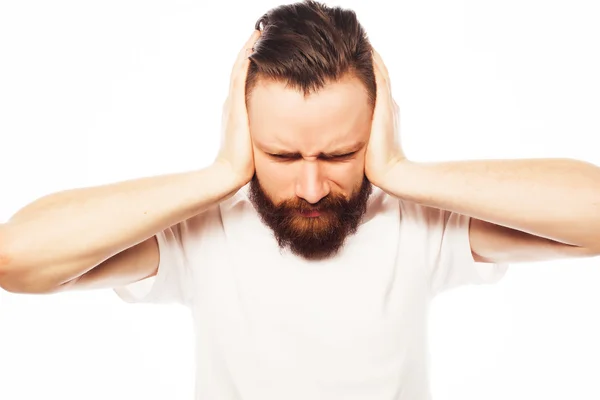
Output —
<point x="384" y="150"/>
<point x="236" y="152"/>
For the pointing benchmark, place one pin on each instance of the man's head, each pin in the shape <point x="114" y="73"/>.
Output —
<point x="310" y="94"/>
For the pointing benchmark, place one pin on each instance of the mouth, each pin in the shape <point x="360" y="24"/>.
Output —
<point x="309" y="214"/>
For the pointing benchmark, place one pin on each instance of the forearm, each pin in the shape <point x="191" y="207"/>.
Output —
<point x="558" y="199"/>
<point x="75" y="230"/>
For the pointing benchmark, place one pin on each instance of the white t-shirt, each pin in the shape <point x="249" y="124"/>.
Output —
<point x="271" y="326"/>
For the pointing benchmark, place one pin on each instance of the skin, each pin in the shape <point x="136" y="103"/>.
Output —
<point x="309" y="185"/>
<point x="310" y="147"/>
<point x="553" y="193"/>
<point x="521" y="210"/>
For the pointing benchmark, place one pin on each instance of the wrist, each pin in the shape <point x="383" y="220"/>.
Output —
<point x="386" y="175"/>
<point x="226" y="177"/>
<point x="397" y="178"/>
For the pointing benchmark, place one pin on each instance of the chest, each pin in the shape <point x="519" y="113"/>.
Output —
<point x="365" y="307"/>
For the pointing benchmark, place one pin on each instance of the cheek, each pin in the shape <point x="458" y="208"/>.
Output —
<point x="338" y="171"/>
<point x="344" y="176"/>
<point x="275" y="178"/>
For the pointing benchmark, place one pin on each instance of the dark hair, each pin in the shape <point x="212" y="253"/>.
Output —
<point x="307" y="45"/>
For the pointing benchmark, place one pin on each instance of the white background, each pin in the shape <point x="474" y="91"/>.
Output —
<point x="94" y="92"/>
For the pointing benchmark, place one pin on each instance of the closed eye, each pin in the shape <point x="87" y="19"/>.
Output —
<point x="325" y="157"/>
<point x="340" y="157"/>
<point x="284" y="157"/>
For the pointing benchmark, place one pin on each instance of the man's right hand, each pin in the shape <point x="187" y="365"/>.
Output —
<point x="104" y="236"/>
<point x="236" y="150"/>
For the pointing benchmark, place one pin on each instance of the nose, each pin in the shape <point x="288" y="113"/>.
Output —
<point x="311" y="185"/>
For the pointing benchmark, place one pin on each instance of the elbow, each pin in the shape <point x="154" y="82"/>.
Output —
<point x="6" y="269"/>
<point x="8" y="276"/>
<point x="5" y="261"/>
<point x="21" y="280"/>
<point x="22" y="285"/>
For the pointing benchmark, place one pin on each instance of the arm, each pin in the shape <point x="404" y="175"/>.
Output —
<point x="131" y="265"/>
<point x="522" y="210"/>
<point x="57" y="241"/>
<point x="105" y="236"/>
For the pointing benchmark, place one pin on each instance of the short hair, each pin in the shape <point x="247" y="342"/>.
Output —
<point x="307" y="45"/>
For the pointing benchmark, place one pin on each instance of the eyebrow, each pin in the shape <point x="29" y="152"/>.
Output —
<point x="336" y="153"/>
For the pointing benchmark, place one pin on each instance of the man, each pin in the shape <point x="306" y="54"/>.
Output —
<point x="310" y="250"/>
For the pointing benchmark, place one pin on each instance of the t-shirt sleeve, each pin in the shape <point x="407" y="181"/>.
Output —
<point x="172" y="282"/>
<point x="449" y="259"/>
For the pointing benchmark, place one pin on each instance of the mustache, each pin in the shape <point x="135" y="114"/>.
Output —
<point x="339" y="208"/>
<point x="301" y="205"/>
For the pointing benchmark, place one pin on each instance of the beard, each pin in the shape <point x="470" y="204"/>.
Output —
<point x="312" y="238"/>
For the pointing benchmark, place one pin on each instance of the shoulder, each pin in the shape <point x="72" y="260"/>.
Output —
<point x="212" y="218"/>
<point x="408" y="212"/>
<point x="419" y="212"/>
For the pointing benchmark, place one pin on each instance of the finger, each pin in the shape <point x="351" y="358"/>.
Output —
<point x="379" y="60"/>
<point x="383" y="88"/>
<point x="240" y="67"/>
<point x="384" y="71"/>
<point x="240" y="74"/>
<point x="245" y="51"/>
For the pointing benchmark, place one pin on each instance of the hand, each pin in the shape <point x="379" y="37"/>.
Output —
<point x="383" y="150"/>
<point x="236" y="144"/>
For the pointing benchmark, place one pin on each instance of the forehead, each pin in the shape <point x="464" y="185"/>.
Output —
<point x="339" y="114"/>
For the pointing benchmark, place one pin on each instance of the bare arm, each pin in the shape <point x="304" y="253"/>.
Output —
<point x="130" y="265"/>
<point x="102" y="236"/>
<point x="523" y="210"/>
<point x="105" y="236"/>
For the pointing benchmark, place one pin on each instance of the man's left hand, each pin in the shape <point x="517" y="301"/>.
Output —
<point x="383" y="150"/>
